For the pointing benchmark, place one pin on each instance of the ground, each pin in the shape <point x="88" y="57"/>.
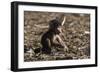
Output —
<point x="76" y="31"/>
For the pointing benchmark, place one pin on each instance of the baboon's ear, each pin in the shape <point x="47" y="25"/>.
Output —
<point x="64" y="19"/>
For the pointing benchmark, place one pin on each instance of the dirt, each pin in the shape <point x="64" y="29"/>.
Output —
<point x="76" y="31"/>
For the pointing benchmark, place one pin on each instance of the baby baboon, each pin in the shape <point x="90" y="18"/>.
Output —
<point x="52" y="38"/>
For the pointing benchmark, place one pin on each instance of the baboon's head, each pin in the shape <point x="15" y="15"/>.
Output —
<point x="54" y="23"/>
<point x="55" y="26"/>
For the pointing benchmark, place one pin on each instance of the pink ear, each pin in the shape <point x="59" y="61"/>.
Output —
<point x="63" y="21"/>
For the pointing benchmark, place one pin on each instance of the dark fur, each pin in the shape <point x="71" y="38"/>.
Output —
<point x="47" y="39"/>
